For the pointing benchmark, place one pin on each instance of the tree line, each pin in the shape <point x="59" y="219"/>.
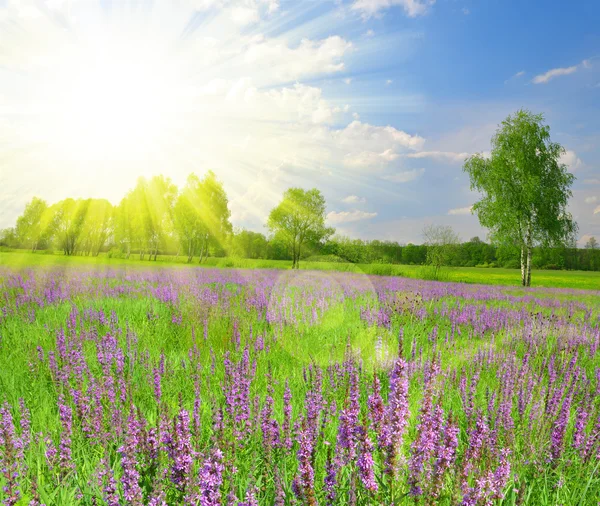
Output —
<point x="525" y="191"/>
<point x="174" y="225"/>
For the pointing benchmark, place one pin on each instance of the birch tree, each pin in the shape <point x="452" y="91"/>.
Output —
<point x="525" y="188"/>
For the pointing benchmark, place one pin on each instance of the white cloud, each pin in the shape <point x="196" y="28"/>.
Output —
<point x="358" y="134"/>
<point x="306" y="101"/>
<point x="349" y="216"/>
<point x="443" y="156"/>
<point x="590" y="200"/>
<point x="412" y="8"/>
<point x="561" y="71"/>
<point x="404" y="176"/>
<point x="570" y="159"/>
<point x="242" y="12"/>
<point x="369" y="159"/>
<point x="240" y="98"/>
<point x="388" y="82"/>
<point x="348" y="80"/>
<point x="309" y="58"/>
<point x="369" y="33"/>
<point x="244" y="15"/>
<point x="460" y="211"/>
<point x="466" y="11"/>
<point x="354" y="199"/>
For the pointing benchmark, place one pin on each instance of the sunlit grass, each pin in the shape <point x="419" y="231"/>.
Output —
<point x="293" y="347"/>
<point x="584" y="280"/>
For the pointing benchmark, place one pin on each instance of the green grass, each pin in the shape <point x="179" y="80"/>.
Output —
<point x="292" y="348"/>
<point x="583" y="280"/>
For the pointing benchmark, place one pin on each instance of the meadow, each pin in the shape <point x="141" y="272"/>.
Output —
<point x="585" y="280"/>
<point x="131" y="383"/>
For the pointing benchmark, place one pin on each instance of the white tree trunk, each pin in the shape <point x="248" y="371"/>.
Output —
<point x="529" y="249"/>
<point x="523" y="267"/>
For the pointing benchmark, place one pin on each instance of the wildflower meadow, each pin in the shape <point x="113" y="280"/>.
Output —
<point x="197" y="386"/>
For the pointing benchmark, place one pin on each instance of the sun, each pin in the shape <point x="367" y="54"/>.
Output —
<point x="113" y="104"/>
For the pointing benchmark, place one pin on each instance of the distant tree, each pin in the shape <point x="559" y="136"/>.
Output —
<point x="97" y="227"/>
<point x="132" y="221"/>
<point x="159" y="200"/>
<point x="592" y="243"/>
<point x="8" y="238"/>
<point x="69" y="217"/>
<point x="31" y="225"/>
<point x="202" y="215"/>
<point x="442" y="244"/>
<point x="248" y="244"/>
<point x="525" y="188"/>
<point x="413" y="254"/>
<point x="298" y="220"/>
<point x="188" y="223"/>
<point x="475" y="240"/>
<point x="125" y="231"/>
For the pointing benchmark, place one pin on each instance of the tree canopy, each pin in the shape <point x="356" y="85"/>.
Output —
<point x="202" y="215"/>
<point x="299" y="219"/>
<point x="525" y="186"/>
<point x="33" y="224"/>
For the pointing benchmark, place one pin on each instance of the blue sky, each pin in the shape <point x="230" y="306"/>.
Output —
<point x="376" y="102"/>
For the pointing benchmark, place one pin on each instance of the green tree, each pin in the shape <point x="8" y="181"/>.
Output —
<point x="188" y="223"/>
<point x="97" y="227"/>
<point x="413" y="254"/>
<point x="248" y="244"/>
<point x="69" y="217"/>
<point x="8" y="238"/>
<point x="159" y="202"/>
<point x="31" y="225"/>
<point x="442" y="245"/>
<point x="133" y="221"/>
<point x="124" y="226"/>
<point x="202" y="216"/>
<point x="593" y="255"/>
<point x="525" y="188"/>
<point x="298" y="220"/>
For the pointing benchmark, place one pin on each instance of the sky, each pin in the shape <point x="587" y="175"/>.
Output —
<point x="375" y="102"/>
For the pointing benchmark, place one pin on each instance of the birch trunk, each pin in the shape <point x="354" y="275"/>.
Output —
<point x="523" y="267"/>
<point x="529" y="250"/>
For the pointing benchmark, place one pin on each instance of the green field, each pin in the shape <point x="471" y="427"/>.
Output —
<point x="582" y="280"/>
<point x="98" y="356"/>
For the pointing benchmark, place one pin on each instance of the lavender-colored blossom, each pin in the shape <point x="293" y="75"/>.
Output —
<point x="365" y="461"/>
<point x="10" y="456"/>
<point x="180" y="451"/>
<point x="210" y="479"/>
<point x="129" y="461"/>
<point x="330" y="480"/>
<point x="305" y="481"/>
<point x="396" y="416"/>
<point x="559" y="429"/>
<point x="66" y="463"/>
<point x="445" y="455"/>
